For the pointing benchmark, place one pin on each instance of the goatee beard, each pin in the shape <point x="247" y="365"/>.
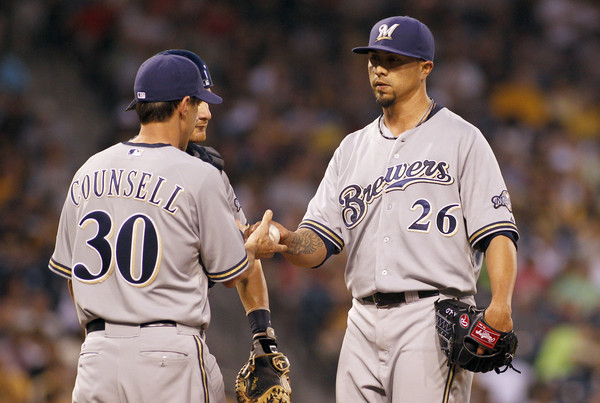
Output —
<point x="384" y="103"/>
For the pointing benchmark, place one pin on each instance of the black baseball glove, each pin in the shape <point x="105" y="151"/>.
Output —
<point x="265" y="377"/>
<point x="462" y="329"/>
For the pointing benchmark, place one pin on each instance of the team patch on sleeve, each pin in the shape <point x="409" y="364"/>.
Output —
<point x="59" y="269"/>
<point x="326" y="233"/>
<point x="229" y="273"/>
<point x="492" y="228"/>
<point x="502" y="200"/>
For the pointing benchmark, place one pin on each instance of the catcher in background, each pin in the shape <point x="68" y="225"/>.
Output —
<point x="418" y="199"/>
<point x="266" y="374"/>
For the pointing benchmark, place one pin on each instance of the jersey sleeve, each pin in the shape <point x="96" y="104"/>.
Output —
<point x="60" y="262"/>
<point x="212" y="156"/>
<point x="322" y="215"/>
<point x="485" y="197"/>
<point x="234" y="203"/>
<point x="222" y="250"/>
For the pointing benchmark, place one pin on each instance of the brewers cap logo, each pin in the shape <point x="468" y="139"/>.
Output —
<point x="385" y="32"/>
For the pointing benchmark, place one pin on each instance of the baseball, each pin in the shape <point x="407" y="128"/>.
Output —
<point x="274" y="233"/>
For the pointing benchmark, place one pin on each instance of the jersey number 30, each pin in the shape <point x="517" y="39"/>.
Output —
<point x="137" y="269"/>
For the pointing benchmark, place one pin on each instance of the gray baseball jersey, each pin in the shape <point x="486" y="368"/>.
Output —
<point x="212" y="156"/>
<point x="143" y="230"/>
<point x="234" y="203"/>
<point x="411" y="209"/>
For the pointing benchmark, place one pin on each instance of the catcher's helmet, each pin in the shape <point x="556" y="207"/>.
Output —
<point x="206" y="80"/>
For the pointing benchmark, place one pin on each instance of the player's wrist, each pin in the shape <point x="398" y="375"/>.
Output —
<point x="500" y="305"/>
<point x="498" y="320"/>
<point x="260" y="320"/>
<point x="499" y="311"/>
<point x="264" y="340"/>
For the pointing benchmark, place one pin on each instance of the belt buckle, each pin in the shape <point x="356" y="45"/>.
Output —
<point x="377" y="301"/>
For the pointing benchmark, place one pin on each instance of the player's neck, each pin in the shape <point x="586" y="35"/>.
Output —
<point x="160" y="132"/>
<point x="403" y="116"/>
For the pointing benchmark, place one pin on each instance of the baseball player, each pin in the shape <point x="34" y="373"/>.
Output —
<point x="419" y="201"/>
<point x="253" y="289"/>
<point x="145" y="227"/>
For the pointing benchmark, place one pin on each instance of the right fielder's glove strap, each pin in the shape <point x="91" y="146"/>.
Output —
<point x="264" y="342"/>
<point x="264" y="379"/>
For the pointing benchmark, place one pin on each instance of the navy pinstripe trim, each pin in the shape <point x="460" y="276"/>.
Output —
<point x="59" y="269"/>
<point x="146" y="145"/>
<point x="490" y="229"/>
<point x="231" y="272"/>
<point x="200" y="350"/>
<point x="449" y="379"/>
<point x="326" y="232"/>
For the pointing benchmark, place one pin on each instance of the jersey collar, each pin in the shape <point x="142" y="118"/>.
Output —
<point x="147" y="145"/>
<point x="387" y="134"/>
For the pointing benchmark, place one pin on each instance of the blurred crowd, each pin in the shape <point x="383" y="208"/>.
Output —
<point x="526" y="72"/>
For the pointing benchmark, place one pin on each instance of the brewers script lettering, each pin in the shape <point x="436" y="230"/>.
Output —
<point x="354" y="199"/>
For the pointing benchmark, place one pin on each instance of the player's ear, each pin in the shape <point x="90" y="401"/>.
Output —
<point x="182" y="107"/>
<point x="426" y="67"/>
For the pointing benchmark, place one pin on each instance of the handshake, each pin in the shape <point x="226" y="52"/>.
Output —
<point x="265" y="237"/>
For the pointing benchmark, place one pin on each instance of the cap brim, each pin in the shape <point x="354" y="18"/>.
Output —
<point x="206" y="96"/>
<point x="209" y="97"/>
<point x="131" y="106"/>
<point x="366" y="49"/>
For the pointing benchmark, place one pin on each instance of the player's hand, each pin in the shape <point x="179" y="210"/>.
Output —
<point x="499" y="318"/>
<point x="264" y="343"/>
<point x="265" y="377"/>
<point x="244" y="229"/>
<point x="259" y="241"/>
<point x="284" y="233"/>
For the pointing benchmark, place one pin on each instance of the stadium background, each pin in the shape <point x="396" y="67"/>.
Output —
<point x="526" y="72"/>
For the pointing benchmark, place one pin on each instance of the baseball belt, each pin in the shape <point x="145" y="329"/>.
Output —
<point x="381" y="299"/>
<point x="100" y="324"/>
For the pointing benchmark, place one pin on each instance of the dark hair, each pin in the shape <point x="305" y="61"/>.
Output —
<point x="149" y="112"/>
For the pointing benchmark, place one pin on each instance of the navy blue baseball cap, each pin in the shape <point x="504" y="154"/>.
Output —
<point x="169" y="77"/>
<point x="207" y="81"/>
<point x="402" y="35"/>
